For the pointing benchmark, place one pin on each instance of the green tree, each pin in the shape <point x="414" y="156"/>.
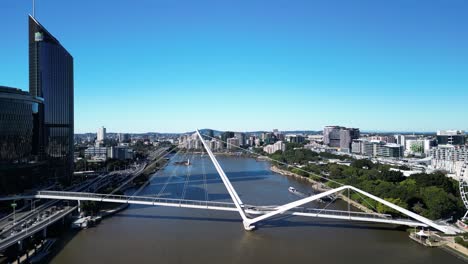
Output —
<point x="383" y="209"/>
<point x="438" y="203"/>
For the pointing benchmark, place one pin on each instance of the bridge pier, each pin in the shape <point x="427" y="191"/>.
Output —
<point x="248" y="226"/>
<point x="20" y="245"/>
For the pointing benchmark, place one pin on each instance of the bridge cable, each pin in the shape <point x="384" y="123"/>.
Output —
<point x="332" y="201"/>
<point x="188" y="174"/>
<point x="147" y="181"/>
<point x="174" y="171"/>
<point x="288" y="165"/>
<point x="277" y="161"/>
<point x="135" y="176"/>
<point x="204" y="176"/>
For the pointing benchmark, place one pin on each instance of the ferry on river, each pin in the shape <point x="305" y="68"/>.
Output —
<point x="296" y="192"/>
<point x="184" y="163"/>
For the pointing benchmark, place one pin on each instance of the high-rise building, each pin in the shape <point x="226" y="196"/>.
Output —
<point x="295" y="138"/>
<point x="390" y="150"/>
<point x="21" y="166"/>
<point x="101" y="134"/>
<point x="346" y="138"/>
<point x="270" y="149"/>
<point x="357" y="146"/>
<point x="340" y="137"/>
<point x="123" y="137"/>
<point x="241" y="137"/>
<point x="331" y="136"/>
<point x="449" y="153"/>
<point x="19" y="125"/>
<point x="226" y="135"/>
<point x="451" y="137"/>
<point x="51" y="78"/>
<point x="207" y="134"/>
<point x="377" y="148"/>
<point x="232" y="143"/>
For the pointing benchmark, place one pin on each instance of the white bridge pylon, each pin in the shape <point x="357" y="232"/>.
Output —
<point x="249" y="222"/>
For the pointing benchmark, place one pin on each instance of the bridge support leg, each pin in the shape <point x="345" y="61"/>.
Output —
<point x="44" y="233"/>
<point x="248" y="226"/>
<point x="79" y="208"/>
<point x="20" y="245"/>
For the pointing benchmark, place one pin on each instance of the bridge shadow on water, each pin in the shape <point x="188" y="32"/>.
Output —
<point x="284" y="222"/>
<point x="214" y="178"/>
<point x="173" y="217"/>
<point x="277" y="222"/>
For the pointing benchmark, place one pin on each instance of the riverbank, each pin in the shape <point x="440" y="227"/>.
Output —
<point x="318" y="186"/>
<point x="190" y="231"/>
<point x="455" y="249"/>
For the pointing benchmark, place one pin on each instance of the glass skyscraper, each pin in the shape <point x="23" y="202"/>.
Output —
<point x="20" y="125"/>
<point x="51" y="78"/>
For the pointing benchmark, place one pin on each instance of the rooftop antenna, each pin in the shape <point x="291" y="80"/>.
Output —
<point x="34" y="8"/>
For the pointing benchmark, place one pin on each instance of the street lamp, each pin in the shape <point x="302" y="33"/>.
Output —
<point x="14" y="211"/>
<point x="33" y="204"/>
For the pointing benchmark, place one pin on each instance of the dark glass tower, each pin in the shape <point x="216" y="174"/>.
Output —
<point x="51" y="78"/>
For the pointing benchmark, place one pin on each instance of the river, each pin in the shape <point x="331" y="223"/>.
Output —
<point x="146" y="234"/>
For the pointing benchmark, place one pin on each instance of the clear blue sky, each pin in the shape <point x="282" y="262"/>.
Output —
<point x="172" y="66"/>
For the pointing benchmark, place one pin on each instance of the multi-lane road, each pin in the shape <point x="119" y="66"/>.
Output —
<point x="29" y="219"/>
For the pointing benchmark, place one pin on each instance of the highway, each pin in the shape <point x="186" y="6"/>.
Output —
<point x="28" y="222"/>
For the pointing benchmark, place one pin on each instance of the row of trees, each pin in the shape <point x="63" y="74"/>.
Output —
<point x="432" y="195"/>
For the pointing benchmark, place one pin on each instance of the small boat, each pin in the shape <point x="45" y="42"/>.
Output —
<point x="303" y="195"/>
<point x="184" y="163"/>
<point x="253" y="210"/>
<point x="81" y="223"/>
<point x="296" y="192"/>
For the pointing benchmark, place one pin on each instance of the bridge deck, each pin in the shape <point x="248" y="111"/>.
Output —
<point x="225" y="206"/>
<point x="145" y="200"/>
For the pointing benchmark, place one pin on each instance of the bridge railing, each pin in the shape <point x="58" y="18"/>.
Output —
<point x="125" y="198"/>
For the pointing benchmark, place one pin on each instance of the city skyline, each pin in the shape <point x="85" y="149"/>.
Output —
<point x="173" y="68"/>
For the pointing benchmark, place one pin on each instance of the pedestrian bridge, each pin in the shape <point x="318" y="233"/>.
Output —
<point x="250" y="210"/>
<point x="252" y="214"/>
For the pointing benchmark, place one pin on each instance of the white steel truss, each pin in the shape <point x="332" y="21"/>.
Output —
<point x="249" y="222"/>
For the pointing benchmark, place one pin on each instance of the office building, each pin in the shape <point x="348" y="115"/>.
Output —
<point x="120" y="153"/>
<point x="123" y="137"/>
<point x="340" y="137"/>
<point x="347" y="135"/>
<point x="390" y="150"/>
<point x="241" y="137"/>
<point x="357" y="146"/>
<point x="232" y="143"/>
<point x="377" y="148"/>
<point x="101" y="134"/>
<point x="451" y="137"/>
<point x="207" y="134"/>
<point x="96" y="153"/>
<point x="51" y="78"/>
<point x="295" y="138"/>
<point x="270" y="149"/>
<point x="402" y="139"/>
<point x="331" y="136"/>
<point x="449" y="153"/>
<point x="414" y="146"/>
<point x="21" y="166"/>
<point x="225" y="136"/>
<point x="19" y="125"/>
